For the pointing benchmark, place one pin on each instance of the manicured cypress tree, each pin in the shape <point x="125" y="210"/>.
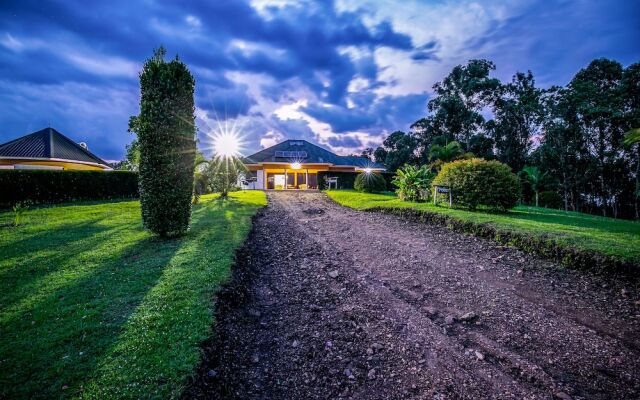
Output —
<point x="166" y="135"/>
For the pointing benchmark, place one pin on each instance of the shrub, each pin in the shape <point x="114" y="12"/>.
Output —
<point x="370" y="183"/>
<point x="477" y="182"/>
<point x="550" y="199"/>
<point x="18" y="211"/>
<point x="413" y="183"/>
<point x="166" y="137"/>
<point x="49" y="186"/>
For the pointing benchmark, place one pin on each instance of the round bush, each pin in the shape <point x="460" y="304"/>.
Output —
<point x="370" y="183"/>
<point x="550" y="199"/>
<point x="477" y="182"/>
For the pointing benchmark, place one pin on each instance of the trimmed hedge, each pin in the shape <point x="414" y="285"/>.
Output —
<point x="47" y="186"/>
<point x="370" y="183"/>
<point x="166" y="132"/>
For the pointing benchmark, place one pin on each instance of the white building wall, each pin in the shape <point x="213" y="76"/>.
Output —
<point x="260" y="182"/>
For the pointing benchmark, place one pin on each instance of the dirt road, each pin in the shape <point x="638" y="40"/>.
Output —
<point x="327" y="302"/>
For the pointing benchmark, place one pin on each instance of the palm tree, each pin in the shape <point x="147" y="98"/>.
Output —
<point x="632" y="137"/>
<point x="447" y="153"/>
<point x="536" y="178"/>
<point x="200" y="165"/>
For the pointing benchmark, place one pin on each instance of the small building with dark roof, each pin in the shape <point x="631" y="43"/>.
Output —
<point x="295" y="164"/>
<point x="48" y="149"/>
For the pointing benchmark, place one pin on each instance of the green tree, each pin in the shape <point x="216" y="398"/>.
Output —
<point x="223" y="174"/>
<point x="536" y="178"/>
<point x="397" y="149"/>
<point x="200" y="179"/>
<point x="165" y="129"/>
<point x="630" y="87"/>
<point x="460" y="99"/>
<point x="131" y="161"/>
<point x="518" y="118"/>
<point x="597" y="103"/>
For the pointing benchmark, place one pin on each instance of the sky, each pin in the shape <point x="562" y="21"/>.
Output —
<point x="342" y="74"/>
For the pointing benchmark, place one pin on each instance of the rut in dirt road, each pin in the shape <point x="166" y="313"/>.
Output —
<point x="328" y="302"/>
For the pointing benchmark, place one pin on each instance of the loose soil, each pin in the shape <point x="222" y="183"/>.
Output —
<point x="328" y="302"/>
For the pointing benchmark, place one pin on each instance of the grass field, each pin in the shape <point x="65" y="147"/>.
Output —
<point x="94" y="306"/>
<point x="612" y="237"/>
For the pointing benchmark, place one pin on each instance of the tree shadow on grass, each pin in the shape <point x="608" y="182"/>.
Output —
<point x="159" y="345"/>
<point x="145" y="302"/>
<point x="55" y="338"/>
<point x="34" y="256"/>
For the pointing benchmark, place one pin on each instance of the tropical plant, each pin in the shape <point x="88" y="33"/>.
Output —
<point x="370" y="182"/>
<point x="446" y="153"/>
<point x="413" y="183"/>
<point x="477" y="182"/>
<point x="200" y="179"/>
<point x="165" y="130"/>
<point x="632" y="137"/>
<point x="19" y="209"/>
<point x="223" y="174"/>
<point x="537" y="179"/>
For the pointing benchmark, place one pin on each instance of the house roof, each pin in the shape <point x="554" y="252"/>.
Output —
<point x="48" y="143"/>
<point x="294" y="150"/>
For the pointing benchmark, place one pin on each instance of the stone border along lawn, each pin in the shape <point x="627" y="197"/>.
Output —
<point x="94" y="306"/>
<point x="575" y="239"/>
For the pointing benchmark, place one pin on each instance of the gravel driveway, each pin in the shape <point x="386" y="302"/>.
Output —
<point x="328" y="302"/>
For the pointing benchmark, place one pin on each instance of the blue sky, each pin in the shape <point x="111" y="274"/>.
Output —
<point x="340" y="73"/>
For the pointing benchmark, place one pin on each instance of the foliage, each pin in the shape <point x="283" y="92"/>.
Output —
<point x="536" y="178"/>
<point x="449" y="152"/>
<point x="396" y="150"/>
<point x="19" y="209"/>
<point x="441" y="154"/>
<point x="456" y="109"/>
<point x="94" y="306"/>
<point x="223" y="173"/>
<point x="580" y="128"/>
<point x="51" y="186"/>
<point x="477" y="182"/>
<point x="200" y="178"/>
<point x="632" y="137"/>
<point x="413" y="183"/>
<point x="481" y="146"/>
<point x="574" y="238"/>
<point x="370" y="183"/>
<point x="550" y="199"/>
<point x="165" y="129"/>
<point x="518" y="118"/>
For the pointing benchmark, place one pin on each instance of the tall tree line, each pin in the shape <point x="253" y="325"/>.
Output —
<point x="573" y="134"/>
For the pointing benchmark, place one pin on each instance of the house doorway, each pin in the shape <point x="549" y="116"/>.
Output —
<point x="292" y="180"/>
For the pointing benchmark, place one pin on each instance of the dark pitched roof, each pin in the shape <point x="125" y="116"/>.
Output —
<point x="306" y="152"/>
<point x="48" y="143"/>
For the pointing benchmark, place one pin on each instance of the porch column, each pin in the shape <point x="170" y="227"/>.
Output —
<point x="306" y="178"/>
<point x="286" y="179"/>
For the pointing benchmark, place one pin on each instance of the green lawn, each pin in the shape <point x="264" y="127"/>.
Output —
<point x="94" y="306"/>
<point x="612" y="237"/>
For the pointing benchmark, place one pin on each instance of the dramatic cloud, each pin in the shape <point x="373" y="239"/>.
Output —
<point x="342" y="73"/>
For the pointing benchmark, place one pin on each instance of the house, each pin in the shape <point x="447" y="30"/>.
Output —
<point x="299" y="165"/>
<point x="48" y="149"/>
